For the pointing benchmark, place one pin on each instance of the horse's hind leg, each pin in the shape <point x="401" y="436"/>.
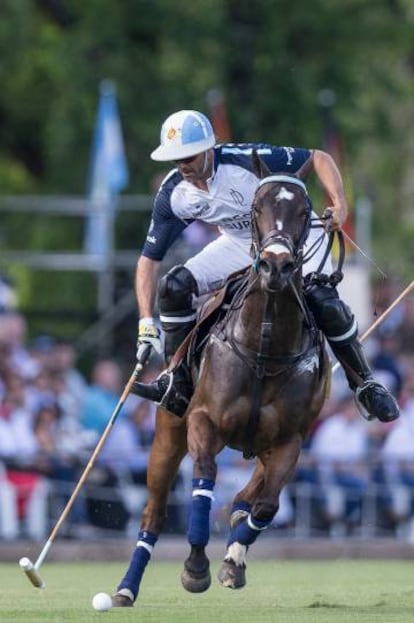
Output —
<point x="167" y="451"/>
<point x="278" y="465"/>
<point x="203" y="446"/>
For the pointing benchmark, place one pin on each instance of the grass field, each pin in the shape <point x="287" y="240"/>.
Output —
<point x="281" y="592"/>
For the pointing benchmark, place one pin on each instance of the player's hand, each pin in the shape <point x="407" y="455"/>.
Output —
<point x="331" y="220"/>
<point x="149" y="338"/>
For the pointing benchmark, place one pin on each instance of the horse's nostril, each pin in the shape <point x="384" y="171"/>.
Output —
<point x="287" y="268"/>
<point x="265" y="266"/>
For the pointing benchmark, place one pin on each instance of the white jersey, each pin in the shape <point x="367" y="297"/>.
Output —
<point x="226" y="203"/>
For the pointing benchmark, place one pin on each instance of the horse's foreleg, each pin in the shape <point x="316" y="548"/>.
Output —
<point x="167" y="451"/>
<point x="278" y="465"/>
<point x="245" y="498"/>
<point x="233" y="569"/>
<point x="203" y="446"/>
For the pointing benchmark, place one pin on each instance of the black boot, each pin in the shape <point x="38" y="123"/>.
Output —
<point x="338" y="324"/>
<point x="372" y="398"/>
<point x="171" y="390"/>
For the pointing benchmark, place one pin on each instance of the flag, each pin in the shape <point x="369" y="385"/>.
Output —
<point x="333" y="144"/>
<point x="108" y="172"/>
<point x="218" y="115"/>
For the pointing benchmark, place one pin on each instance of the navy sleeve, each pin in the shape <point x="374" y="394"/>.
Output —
<point x="285" y="159"/>
<point x="278" y="159"/>
<point x="164" y="228"/>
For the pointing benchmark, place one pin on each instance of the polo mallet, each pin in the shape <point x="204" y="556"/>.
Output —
<point x="32" y="570"/>
<point x="380" y="318"/>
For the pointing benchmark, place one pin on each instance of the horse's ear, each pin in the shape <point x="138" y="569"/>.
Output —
<point x="305" y="169"/>
<point x="260" y="168"/>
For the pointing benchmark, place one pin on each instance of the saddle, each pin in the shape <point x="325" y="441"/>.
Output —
<point x="210" y="313"/>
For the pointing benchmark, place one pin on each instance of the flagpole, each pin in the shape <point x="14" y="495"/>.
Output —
<point x="108" y="176"/>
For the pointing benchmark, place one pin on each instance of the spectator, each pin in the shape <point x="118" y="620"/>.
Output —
<point x="73" y="383"/>
<point x="40" y="389"/>
<point x="340" y="449"/>
<point x="100" y="401"/>
<point x="24" y="491"/>
<point x="8" y="295"/>
<point x="42" y="349"/>
<point x="102" y="396"/>
<point x="398" y="460"/>
<point x="127" y="448"/>
<point x="58" y="458"/>
<point x="13" y="332"/>
<point x="385" y="361"/>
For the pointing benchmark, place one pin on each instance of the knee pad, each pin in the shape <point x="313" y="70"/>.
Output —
<point x="175" y="291"/>
<point x="333" y="317"/>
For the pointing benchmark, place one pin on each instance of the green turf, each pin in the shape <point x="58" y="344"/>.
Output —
<point x="281" y="592"/>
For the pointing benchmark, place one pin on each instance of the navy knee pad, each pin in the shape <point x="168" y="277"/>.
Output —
<point x="333" y="317"/>
<point x="175" y="291"/>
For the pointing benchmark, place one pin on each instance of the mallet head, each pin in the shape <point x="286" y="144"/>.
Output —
<point x="31" y="572"/>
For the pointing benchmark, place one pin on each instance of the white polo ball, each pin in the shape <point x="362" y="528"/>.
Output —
<point x="25" y="564"/>
<point x="102" y="602"/>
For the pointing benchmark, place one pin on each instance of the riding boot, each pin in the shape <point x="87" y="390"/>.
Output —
<point x="173" y="388"/>
<point x="372" y="398"/>
<point x="334" y="318"/>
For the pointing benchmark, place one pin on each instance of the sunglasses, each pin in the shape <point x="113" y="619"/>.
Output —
<point x="186" y="160"/>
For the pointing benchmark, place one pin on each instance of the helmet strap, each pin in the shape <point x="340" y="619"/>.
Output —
<point x="205" y="166"/>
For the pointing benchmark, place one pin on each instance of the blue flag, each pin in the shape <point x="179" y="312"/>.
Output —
<point x="108" y="174"/>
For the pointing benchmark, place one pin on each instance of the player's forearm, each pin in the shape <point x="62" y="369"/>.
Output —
<point x="331" y="179"/>
<point x="146" y="279"/>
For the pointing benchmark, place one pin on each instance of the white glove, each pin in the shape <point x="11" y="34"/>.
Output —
<point x="149" y="338"/>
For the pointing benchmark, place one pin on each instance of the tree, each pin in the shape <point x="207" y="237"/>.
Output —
<point x="270" y="59"/>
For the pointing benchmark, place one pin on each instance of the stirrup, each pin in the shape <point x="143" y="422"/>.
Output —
<point x="386" y="408"/>
<point x="164" y="392"/>
<point x="173" y="400"/>
<point x="165" y="383"/>
<point x="157" y="390"/>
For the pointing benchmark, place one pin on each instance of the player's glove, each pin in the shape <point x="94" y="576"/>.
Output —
<point x="331" y="220"/>
<point x="149" y="338"/>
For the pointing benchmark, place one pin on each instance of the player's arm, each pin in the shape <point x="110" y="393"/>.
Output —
<point x="146" y="280"/>
<point x="164" y="229"/>
<point x="331" y="180"/>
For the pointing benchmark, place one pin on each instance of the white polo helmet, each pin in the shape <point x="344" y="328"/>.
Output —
<point x="184" y="134"/>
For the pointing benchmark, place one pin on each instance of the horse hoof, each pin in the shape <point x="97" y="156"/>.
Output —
<point x="121" y="601"/>
<point x="195" y="583"/>
<point x="232" y="575"/>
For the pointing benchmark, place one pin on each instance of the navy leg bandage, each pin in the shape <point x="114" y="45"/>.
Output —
<point x="199" y="524"/>
<point x="248" y="530"/>
<point x="140" y="558"/>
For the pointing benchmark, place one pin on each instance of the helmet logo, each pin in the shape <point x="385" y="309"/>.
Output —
<point x="171" y="133"/>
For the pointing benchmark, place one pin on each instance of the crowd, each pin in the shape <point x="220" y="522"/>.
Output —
<point x="51" y="417"/>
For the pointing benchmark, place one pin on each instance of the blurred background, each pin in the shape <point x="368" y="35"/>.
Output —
<point x="84" y="88"/>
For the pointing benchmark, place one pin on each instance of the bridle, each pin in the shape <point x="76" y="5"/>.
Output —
<point x="275" y="237"/>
